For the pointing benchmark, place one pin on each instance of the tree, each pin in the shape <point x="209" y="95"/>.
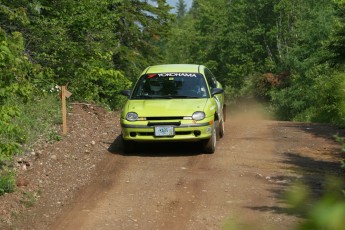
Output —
<point x="139" y="29"/>
<point x="304" y="36"/>
<point x="181" y="9"/>
<point x="282" y="51"/>
<point x="72" y="39"/>
<point x="337" y="42"/>
<point x="16" y="85"/>
<point x="196" y="38"/>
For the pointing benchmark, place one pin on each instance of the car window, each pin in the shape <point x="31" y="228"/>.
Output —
<point x="170" y="85"/>
<point x="212" y="82"/>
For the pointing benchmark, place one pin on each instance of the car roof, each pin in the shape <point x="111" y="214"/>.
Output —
<point x="174" y="68"/>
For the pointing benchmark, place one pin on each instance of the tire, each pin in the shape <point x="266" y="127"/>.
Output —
<point x="209" y="145"/>
<point x="222" y="124"/>
<point x="224" y="113"/>
<point x="221" y="129"/>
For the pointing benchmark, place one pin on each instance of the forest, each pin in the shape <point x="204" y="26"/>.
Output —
<point x="287" y="54"/>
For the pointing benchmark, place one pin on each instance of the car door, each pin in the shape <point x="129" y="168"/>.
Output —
<point x="219" y="98"/>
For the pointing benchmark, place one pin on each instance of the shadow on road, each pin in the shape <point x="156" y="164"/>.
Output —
<point x="311" y="157"/>
<point x="166" y="149"/>
<point x="312" y="173"/>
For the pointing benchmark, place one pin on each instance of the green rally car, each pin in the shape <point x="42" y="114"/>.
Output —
<point x="175" y="102"/>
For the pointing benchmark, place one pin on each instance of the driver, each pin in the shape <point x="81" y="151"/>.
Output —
<point x="155" y="85"/>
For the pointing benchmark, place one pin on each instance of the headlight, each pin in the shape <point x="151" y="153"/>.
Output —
<point x="132" y="116"/>
<point x="198" y="116"/>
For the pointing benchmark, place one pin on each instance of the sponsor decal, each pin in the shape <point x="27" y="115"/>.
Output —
<point x="151" y="75"/>
<point x="177" y="75"/>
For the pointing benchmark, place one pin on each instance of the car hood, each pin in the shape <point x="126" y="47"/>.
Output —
<point x="166" y="108"/>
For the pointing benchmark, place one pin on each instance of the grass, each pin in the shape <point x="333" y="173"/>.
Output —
<point x="7" y="180"/>
<point x="39" y="117"/>
<point x="26" y="123"/>
<point x="29" y="199"/>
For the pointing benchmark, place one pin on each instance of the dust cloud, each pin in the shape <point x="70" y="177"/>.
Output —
<point x="249" y="110"/>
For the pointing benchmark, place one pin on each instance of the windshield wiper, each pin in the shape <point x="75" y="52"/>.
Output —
<point x="143" y="97"/>
<point x="163" y="97"/>
<point x="173" y="97"/>
<point x="153" y="97"/>
<point x="184" y="96"/>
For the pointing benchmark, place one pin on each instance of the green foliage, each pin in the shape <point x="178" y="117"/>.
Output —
<point x="233" y="38"/>
<point x="314" y="90"/>
<point x="140" y="34"/>
<point x="181" y="43"/>
<point x="23" y="125"/>
<point x="7" y="180"/>
<point x="341" y="140"/>
<point x="10" y="133"/>
<point x="13" y="16"/>
<point x="337" y="40"/>
<point x="181" y="9"/>
<point x="101" y="85"/>
<point x="244" y="42"/>
<point x="15" y="68"/>
<point x="35" y="120"/>
<point x="318" y="100"/>
<point x="39" y="117"/>
<point x="54" y="136"/>
<point x="325" y="212"/>
<point x="95" y="47"/>
<point x="72" y="39"/>
<point x="91" y="45"/>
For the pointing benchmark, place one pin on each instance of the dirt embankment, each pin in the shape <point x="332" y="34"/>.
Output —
<point x="85" y="181"/>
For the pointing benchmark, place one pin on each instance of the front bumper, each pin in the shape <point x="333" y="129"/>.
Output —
<point x="142" y="131"/>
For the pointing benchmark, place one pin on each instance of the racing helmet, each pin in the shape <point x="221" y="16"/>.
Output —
<point x="155" y="85"/>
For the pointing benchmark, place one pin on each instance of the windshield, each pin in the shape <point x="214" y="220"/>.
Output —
<point x="170" y="85"/>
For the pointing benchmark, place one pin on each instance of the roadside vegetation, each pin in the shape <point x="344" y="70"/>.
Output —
<point x="288" y="54"/>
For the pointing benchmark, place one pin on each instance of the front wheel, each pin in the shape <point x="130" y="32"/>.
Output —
<point x="221" y="129"/>
<point x="222" y="124"/>
<point x="210" y="144"/>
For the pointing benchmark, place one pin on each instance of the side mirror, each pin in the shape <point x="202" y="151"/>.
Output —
<point x="216" y="91"/>
<point x="126" y="93"/>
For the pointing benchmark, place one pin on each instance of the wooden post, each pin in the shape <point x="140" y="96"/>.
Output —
<point x="64" y="112"/>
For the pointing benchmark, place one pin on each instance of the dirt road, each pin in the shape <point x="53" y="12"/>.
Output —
<point x="85" y="181"/>
<point x="175" y="186"/>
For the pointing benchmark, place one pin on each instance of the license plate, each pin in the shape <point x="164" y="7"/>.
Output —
<point x="164" y="131"/>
